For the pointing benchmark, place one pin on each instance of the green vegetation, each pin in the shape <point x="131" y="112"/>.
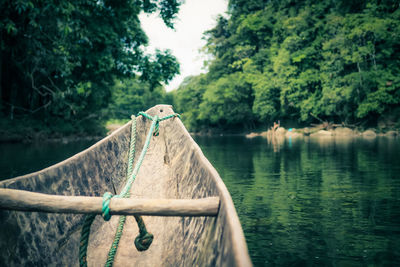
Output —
<point x="131" y="96"/>
<point x="68" y="66"/>
<point x="338" y="60"/>
<point x="63" y="62"/>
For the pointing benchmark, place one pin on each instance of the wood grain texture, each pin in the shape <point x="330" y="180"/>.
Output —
<point x="22" y="200"/>
<point x="174" y="168"/>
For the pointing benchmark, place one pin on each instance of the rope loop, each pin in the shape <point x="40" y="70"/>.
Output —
<point x="170" y="116"/>
<point x="158" y="120"/>
<point x="105" y="211"/>
<point x="144" y="114"/>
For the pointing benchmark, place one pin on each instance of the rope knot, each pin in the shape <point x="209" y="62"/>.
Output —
<point x="157" y="120"/>
<point x="143" y="241"/>
<point x="105" y="211"/>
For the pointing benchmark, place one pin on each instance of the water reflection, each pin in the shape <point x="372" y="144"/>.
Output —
<point x="314" y="201"/>
<point x="301" y="201"/>
<point x="276" y="141"/>
<point x="19" y="159"/>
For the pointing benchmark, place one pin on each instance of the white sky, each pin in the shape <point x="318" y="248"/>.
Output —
<point x="194" y="18"/>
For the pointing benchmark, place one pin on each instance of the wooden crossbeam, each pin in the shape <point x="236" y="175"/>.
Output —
<point x="20" y="200"/>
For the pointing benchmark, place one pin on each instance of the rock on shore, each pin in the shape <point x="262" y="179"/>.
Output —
<point x="344" y="131"/>
<point x="369" y="134"/>
<point x="320" y="133"/>
<point x="391" y="134"/>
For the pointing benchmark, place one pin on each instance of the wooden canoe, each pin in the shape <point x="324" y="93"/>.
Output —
<point x="174" y="168"/>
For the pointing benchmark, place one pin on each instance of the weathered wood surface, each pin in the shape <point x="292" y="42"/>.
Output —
<point x="174" y="167"/>
<point x="21" y="200"/>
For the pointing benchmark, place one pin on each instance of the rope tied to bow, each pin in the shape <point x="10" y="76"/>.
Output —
<point x="144" y="239"/>
<point x="158" y="120"/>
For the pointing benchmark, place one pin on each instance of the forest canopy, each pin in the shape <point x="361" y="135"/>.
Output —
<point x="81" y="61"/>
<point x="295" y="60"/>
<point x="61" y="60"/>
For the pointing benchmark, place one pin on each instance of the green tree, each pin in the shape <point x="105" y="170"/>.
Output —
<point x="60" y="58"/>
<point x="187" y="100"/>
<point x="359" y="68"/>
<point x="228" y="102"/>
<point x="130" y="96"/>
<point x="334" y="59"/>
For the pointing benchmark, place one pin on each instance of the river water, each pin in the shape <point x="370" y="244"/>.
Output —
<point x="314" y="202"/>
<point x="301" y="202"/>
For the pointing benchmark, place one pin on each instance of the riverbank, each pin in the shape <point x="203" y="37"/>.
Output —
<point x="34" y="131"/>
<point x="30" y="135"/>
<point x="320" y="131"/>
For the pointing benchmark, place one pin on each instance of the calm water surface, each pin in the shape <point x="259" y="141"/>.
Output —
<point x="304" y="202"/>
<point x="19" y="159"/>
<point x="318" y="202"/>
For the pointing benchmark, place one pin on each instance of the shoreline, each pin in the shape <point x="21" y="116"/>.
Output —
<point x="316" y="131"/>
<point x="29" y="135"/>
<point x="47" y="139"/>
<point x="323" y="132"/>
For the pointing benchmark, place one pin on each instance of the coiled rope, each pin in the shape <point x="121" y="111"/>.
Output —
<point x="144" y="239"/>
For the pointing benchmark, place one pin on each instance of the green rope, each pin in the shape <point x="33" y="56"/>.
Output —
<point x="122" y="219"/>
<point x="105" y="212"/>
<point x="170" y="116"/>
<point x="157" y="127"/>
<point x="84" y="242"/>
<point x="144" y="239"/>
<point x="117" y="237"/>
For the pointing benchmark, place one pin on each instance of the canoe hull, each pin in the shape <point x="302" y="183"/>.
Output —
<point x="174" y="167"/>
<point x="36" y="238"/>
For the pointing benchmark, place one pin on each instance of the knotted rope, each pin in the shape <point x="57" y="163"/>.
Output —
<point x="157" y="127"/>
<point x="144" y="239"/>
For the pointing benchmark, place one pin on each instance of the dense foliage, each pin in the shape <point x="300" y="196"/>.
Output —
<point x="130" y="96"/>
<point x="62" y="59"/>
<point x="296" y="59"/>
